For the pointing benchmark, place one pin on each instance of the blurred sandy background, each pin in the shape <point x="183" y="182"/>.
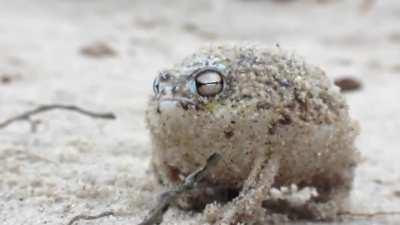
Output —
<point x="103" y="55"/>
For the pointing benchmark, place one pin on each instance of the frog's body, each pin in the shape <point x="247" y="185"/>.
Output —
<point x="274" y="118"/>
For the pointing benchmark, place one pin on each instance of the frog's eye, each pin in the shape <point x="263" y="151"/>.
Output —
<point x="209" y="83"/>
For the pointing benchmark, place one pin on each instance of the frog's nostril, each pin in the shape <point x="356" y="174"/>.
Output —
<point x="174" y="89"/>
<point x="165" y="76"/>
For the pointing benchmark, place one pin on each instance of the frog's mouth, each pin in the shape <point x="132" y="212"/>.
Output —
<point x="173" y="103"/>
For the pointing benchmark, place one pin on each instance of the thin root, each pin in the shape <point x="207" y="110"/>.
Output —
<point x="87" y="217"/>
<point x="45" y="108"/>
<point x="155" y="216"/>
<point x="369" y="215"/>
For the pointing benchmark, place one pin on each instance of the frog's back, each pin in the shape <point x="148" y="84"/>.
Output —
<point x="309" y="120"/>
<point x="270" y="79"/>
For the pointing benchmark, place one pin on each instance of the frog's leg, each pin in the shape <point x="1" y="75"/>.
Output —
<point x="248" y="206"/>
<point x="199" y="197"/>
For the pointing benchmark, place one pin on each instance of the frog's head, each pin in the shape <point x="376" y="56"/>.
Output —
<point x="191" y="86"/>
<point x="190" y="91"/>
<point x="214" y="84"/>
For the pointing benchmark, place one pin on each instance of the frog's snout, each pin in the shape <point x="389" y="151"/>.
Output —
<point x="169" y="100"/>
<point x="173" y="103"/>
<point x="170" y="95"/>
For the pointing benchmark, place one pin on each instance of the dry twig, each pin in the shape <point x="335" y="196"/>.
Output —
<point x="86" y="217"/>
<point x="369" y="215"/>
<point x="167" y="198"/>
<point x="44" y="108"/>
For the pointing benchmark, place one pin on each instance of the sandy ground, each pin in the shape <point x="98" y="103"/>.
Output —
<point x="74" y="164"/>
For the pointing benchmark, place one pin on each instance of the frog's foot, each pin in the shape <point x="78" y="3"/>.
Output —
<point x="332" y="196"/>
<point x="321" y="205"/>
<point x="309" y="211"/>
<point x="247" y="208"/>
<point x="329" y="210"/>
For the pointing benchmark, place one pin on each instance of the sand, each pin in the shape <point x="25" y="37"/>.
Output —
<point x="74" y="164"/>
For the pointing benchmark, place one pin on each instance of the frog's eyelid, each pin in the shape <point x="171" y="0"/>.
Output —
<point x="197" y="72"/>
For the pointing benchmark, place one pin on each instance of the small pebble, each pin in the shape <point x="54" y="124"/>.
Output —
<point x="347" y="84"/>
<point x="5" y="79"/>
<point x="98" y="50"/>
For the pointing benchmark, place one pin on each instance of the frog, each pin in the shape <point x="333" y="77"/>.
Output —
<point x="276" y="121"/>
